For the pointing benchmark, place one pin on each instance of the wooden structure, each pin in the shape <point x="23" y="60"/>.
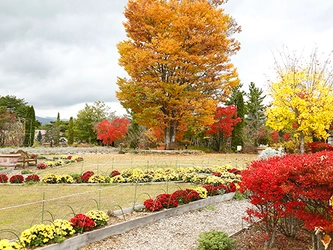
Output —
<point x="25" y="158"/>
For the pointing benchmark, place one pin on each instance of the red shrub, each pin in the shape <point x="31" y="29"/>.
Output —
<point x="192" y="195"/>
<point x="292" y="186"/>
<point x="3" y="178"/>
<point x="320" y="146"/>
<point x="153" y="205"/>
<point x="16" y="179"/>
<point x="114" y="173"/>
<point x="41" y="166"/>
<point x="181" y="196"/>
<point x="82" y="223"/>
<point x="32" y="177"/>
<point x="84" y="177"/>
<point x="167" y="200"/>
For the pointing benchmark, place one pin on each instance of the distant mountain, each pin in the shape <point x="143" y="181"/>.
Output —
<point x="45" y="120"/>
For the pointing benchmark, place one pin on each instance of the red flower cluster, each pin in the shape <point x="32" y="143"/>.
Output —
<point x="32" y="177"/>
<point x="16" y="179"/>
<point x="161" y="201"/>
<point x="41" y="166"/>
<point x="220" y="189"/>
<point x="33" y="156"/>
<point x="218" y="174"/>
<point x="114" y="173"/>
<point x="185" y="196"/>
<point x="3" y="178"/>
<point x="234" y="171"/>
<point x="82" y="223"/>
<point x="84" y="177"/>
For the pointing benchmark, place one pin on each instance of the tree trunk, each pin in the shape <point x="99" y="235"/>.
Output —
<point x="169" y="136"/>
<point x="301" y="142"/>
<point x="318" y="239"/>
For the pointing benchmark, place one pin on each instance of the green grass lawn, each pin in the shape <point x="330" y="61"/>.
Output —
<point x="25" y="205"/>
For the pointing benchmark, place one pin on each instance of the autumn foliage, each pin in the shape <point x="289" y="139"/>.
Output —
<point x="226" y="119"/>
<point x="291" y="192"/>
<point x="177" y="58"/>
<point x="108" y="131"/>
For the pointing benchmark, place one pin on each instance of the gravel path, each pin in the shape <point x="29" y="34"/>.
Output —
<point x="181" y="231"/>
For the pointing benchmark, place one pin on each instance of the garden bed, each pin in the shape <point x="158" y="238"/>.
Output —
<point x="102" y="233"/>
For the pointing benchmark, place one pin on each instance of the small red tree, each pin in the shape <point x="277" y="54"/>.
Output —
<point x="108" y="131"/>
<point x="226" y="119"/>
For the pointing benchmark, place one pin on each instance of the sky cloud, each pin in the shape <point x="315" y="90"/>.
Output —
<point x="60" y="54"/>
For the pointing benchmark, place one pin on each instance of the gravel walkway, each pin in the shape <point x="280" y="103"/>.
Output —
<point x="181" y="231"/>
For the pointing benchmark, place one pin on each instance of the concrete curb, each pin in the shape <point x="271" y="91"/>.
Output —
<point x="102" y="233"/>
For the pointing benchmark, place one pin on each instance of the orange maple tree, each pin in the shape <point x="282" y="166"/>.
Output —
<point x="177" y="61"/>
<point x="109" y="131"/>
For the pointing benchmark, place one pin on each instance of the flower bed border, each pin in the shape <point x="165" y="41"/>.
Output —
<point x="102" y="233"/>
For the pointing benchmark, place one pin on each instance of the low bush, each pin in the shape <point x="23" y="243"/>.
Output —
<point x="16" y="179"/>
<point x="215" y="240"/>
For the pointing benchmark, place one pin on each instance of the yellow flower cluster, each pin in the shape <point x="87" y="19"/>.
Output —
<point x="6" y="244"/>
<point x="42" y="234"/>
<point x="99" y="217"/>
<point x="201" y="191"/>
<point x="96" y="178"/>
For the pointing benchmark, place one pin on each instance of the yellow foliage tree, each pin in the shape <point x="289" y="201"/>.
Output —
<point x="302" y="98"/>
<point x="177" y="60"/>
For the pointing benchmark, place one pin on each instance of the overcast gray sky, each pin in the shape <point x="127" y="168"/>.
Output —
<point x="60" y="54"/>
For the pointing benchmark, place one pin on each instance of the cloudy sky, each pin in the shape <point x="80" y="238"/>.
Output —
<point x="60" y="54"/>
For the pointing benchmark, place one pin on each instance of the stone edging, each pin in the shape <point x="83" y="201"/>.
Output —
<point x="102" y="233"/>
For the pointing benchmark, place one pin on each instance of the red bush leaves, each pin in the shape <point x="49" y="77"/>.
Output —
<point x="298" y="186"/>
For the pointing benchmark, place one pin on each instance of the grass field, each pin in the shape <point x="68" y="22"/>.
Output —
<point x="25" y="205"/>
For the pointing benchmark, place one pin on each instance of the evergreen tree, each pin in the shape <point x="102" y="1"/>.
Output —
<point x="255" y="108"/>
<point x="30" y="126"/>
<point x="237" y="99"/>
<point x="70" y="131"/>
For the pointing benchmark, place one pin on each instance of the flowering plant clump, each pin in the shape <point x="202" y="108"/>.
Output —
<point x="41" y="165"/>
<point x="33" y="156"/>
<point x="82" y="223"/>
<point x="114" y="173"/>
<point x="214" y="190"/>
<point x="37" y="235"/>
<point x="181" y="196"/>
<point x="201" y="191"/>
<point x="85" y="177"/>
<point x="3" y="178"/>
<point x="117" y="179"/>
<point x="96" y="178"/>
<point x="99" y="217"/>
<point x="192" y="195"/>
<point x="59" y="163"/>
<point x="50" y="164"/>
<point x="32" y="178"/>
<point x="50" y="178"/>
<point x="167" y="200"/>
<point x="16" y="179"/>
<point x="65" y="178"/>
<point x="76" y="158"/>
<point x="6" y="244"/>
<point x="61" y="229"/>
<point x="153" y="205"/>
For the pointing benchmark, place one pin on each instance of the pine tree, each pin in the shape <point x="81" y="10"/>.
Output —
<point x="255" y="113"/>
<point x="237" y="99"/>
<point x="70" y="131"/>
